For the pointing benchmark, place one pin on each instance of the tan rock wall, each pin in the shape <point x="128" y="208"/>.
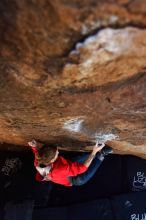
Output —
<point x="73" y="72"/>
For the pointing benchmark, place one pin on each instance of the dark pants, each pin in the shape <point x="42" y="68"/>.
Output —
<point x="87" y="175"/>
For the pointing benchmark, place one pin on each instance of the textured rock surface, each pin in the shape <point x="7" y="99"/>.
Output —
<point x="72" y="72"/>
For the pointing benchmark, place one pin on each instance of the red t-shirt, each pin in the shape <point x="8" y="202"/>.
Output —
<point x="62" y="169"/>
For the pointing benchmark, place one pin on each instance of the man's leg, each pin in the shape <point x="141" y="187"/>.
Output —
<point x="86" y="176"/>
<point x="80" y="158"/>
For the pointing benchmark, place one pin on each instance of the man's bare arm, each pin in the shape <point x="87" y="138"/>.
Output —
<point x="96" y="149"/>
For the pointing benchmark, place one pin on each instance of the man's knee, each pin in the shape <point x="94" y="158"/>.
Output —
<point x="78" y="181"/>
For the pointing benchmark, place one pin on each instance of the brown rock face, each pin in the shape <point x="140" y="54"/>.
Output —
<point x="73" y="72"/>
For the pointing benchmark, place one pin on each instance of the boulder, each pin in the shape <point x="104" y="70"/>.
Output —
<point x="73" y="73"/>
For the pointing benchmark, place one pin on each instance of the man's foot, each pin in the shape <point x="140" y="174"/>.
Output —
<point x="104" y="152"/>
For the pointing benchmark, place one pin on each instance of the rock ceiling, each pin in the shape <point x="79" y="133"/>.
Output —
<point x="73" y="72"/>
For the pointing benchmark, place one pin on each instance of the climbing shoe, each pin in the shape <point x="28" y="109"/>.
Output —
<point x="104" y="152"/>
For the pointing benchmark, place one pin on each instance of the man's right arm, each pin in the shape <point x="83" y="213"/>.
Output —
<point x="96" y="149"/>
<point x="76" y="168"/>
<point x="89" y="160"/>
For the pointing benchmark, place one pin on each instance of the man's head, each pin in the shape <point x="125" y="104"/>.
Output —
<point x="45" y="154"/>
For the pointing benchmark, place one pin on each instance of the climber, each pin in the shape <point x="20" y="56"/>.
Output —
<point x="75" y="172"/>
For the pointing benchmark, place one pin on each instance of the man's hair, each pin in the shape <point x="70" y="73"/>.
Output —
<point x="45" y="155"/>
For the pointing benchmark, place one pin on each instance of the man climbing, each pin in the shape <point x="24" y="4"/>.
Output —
<point x="75" y="172"/>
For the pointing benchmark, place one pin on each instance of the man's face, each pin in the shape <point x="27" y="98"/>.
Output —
<point x="55" y="157"/>
<point x="53" y="160"/>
